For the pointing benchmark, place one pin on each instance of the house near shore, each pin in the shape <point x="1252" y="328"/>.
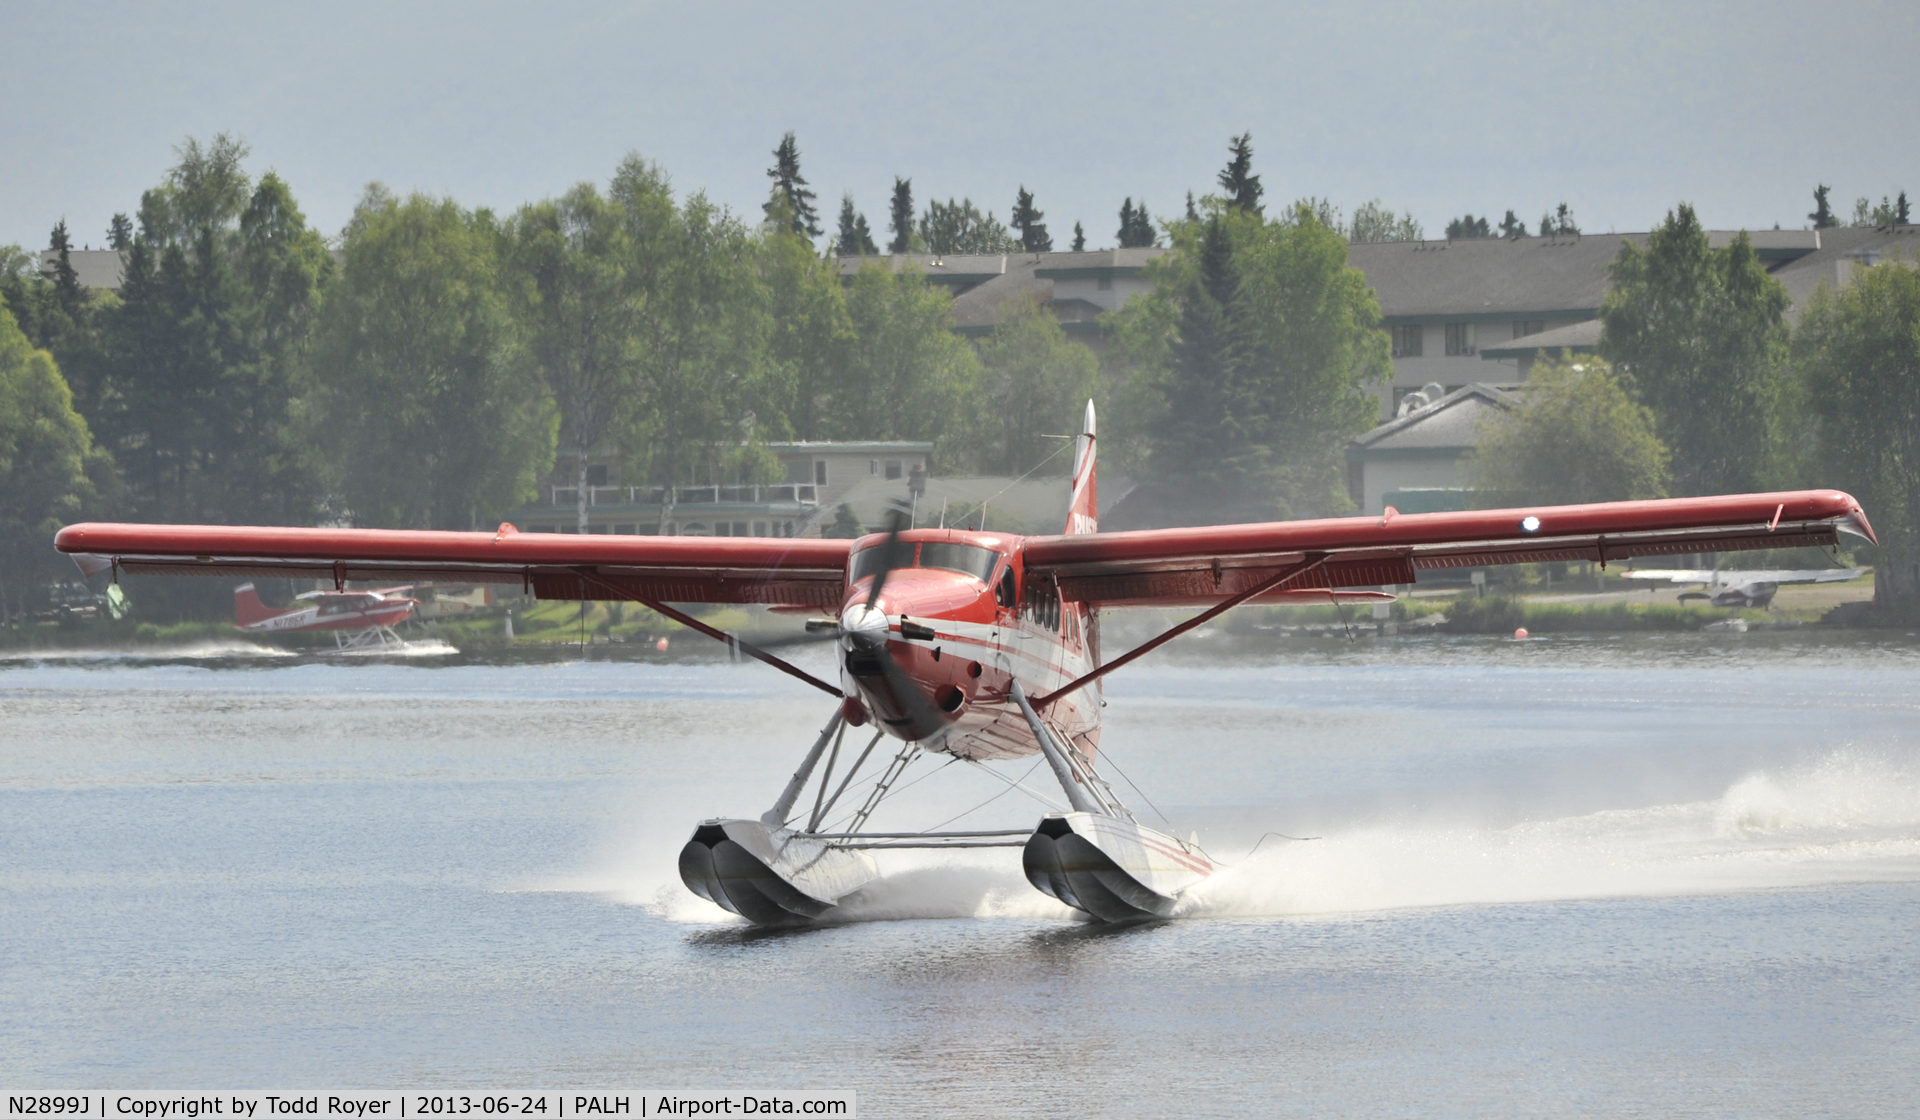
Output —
<point x="819" y="476"/>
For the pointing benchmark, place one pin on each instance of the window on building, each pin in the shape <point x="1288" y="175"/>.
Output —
<point x="820" y="472"/>
<point x="1406" y="341"/>
<point x="597" y="475"/>
<point x="759" y="528"/>
<point x="893" y="469"/>
<point x="1105" y="284"/>
<point x="1524" y="327"/>
<point x="623" y="530"/>
<point x="739" y="528"/>
<point x="873" y="466"/>
<point x="1459" y="340"/>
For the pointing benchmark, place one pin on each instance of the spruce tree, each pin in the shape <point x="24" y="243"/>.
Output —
<point x="901" y="219"/>
<point x="1238" y="180"/>
<point x="1512" y="228"/>
<point x="790" y="187"/>
<point x="1563" y="220"/>
<point x="119" y="233"/>
<point x="1079" y="238"/>
<point x="1192" y="214"/>
<point x="1822" y="216"/>
<point x="1026" y="219"/>
<point x="856" y="238"/>
<point x="1901" y="213"/>
<point x="1136" y="225"/>
<point x="1466" y="227"/>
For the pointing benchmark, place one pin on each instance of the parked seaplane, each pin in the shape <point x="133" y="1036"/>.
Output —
<point x="359" y="620"/>
<point x="1740" y="589"/>
<point x="980" y="646"/>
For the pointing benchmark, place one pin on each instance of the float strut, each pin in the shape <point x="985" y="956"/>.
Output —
<point x="777" y="815"/>
<point x="1077" y="795"/>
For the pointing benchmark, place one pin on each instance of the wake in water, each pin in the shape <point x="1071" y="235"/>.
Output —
<point x="1849" y="818"/>
<point x="1845" y="819"/>
<point x="209" y="649"/>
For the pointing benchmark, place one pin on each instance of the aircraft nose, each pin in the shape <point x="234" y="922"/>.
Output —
<point x="862" y="623"/>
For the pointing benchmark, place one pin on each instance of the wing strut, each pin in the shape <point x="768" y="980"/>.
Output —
<point x="1280" y="579"/>
<point x="693" y="623"/>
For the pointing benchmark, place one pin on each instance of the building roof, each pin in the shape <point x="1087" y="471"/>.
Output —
<point x="96" y="268"/>
<point x="1843" y="249"/>
<point x="1581" y="338"/>
<point x="1447" y="425"/>
<point x="955" y="270"/>
<point x="1490" y="279"/>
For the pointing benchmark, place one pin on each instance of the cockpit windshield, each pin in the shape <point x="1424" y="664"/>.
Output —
<point x="967" y="559"/>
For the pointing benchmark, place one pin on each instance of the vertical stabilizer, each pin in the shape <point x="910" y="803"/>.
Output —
<point x="248" y="610"/>
<point x="1083" y="512"/>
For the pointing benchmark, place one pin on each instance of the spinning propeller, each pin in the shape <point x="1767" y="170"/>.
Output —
<point x="863" y="629"/>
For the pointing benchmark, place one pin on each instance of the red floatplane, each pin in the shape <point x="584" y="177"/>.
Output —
<point x="359" y="620"/>
<point x="977" y="645"/>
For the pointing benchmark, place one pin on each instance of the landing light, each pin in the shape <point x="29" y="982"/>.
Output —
<point x="1529" y="524"/>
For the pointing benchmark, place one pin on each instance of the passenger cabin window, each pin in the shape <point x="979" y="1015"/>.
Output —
<point x="1042" y="605"/>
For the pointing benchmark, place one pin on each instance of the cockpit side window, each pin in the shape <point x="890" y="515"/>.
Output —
<point x="1004" y="593"/>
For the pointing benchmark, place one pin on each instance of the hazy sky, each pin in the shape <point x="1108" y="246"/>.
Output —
<point x="1619" y="109"/>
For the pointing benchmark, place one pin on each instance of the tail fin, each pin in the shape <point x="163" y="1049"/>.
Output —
<point x="1083" y="513"/>
<point x="248" y="609"/>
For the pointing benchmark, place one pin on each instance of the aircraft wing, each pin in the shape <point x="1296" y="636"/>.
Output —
<point x="788" y="572"/>
<point x="1197" y="566"/>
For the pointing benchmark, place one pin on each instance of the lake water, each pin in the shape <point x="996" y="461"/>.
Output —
<point x="1674" y="875"/>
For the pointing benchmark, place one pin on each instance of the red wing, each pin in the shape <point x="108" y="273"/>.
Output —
<point x="795" y="572"/>
<point x="1169" y="567"/>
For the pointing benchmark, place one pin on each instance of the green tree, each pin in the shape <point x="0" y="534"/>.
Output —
<point x="1822" y="216"/>
<point x="846" y="525"/>
<point x="856" y="237"/>
<point x="1466" y="227"/>
<point x="1079" y="238"/>
<point x="1700" y="336"/>
<point x="1241" y="186"/>
<point x="1026" y="218"/>
<point x="1136" y="226"/>
<point x="1887" y="213"/>
<point x="1857" y="352"/>
<point x="1576" y="436"/>
<point x="900" y="216"/>
<point x="120" y="233"/>
<point x="222" y="284"/>
<point x="907" y="375"/>
<point x="48" y="465"/>
<point x="1247" y="365"/>
<point x="1374" y="222"/>
<point x="790" y="187"/>
<point x="1034" y="382"/>
<point x="700" y="330"/>
<point x="1512" y="228"/>
<point x="571" y="281"/>
<point x="953" y="227"/>
<point x="810" y="335"/>
<point x="420" y="411"/>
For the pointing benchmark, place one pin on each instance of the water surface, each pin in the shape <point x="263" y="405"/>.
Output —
<point x="1673" y="874"/>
